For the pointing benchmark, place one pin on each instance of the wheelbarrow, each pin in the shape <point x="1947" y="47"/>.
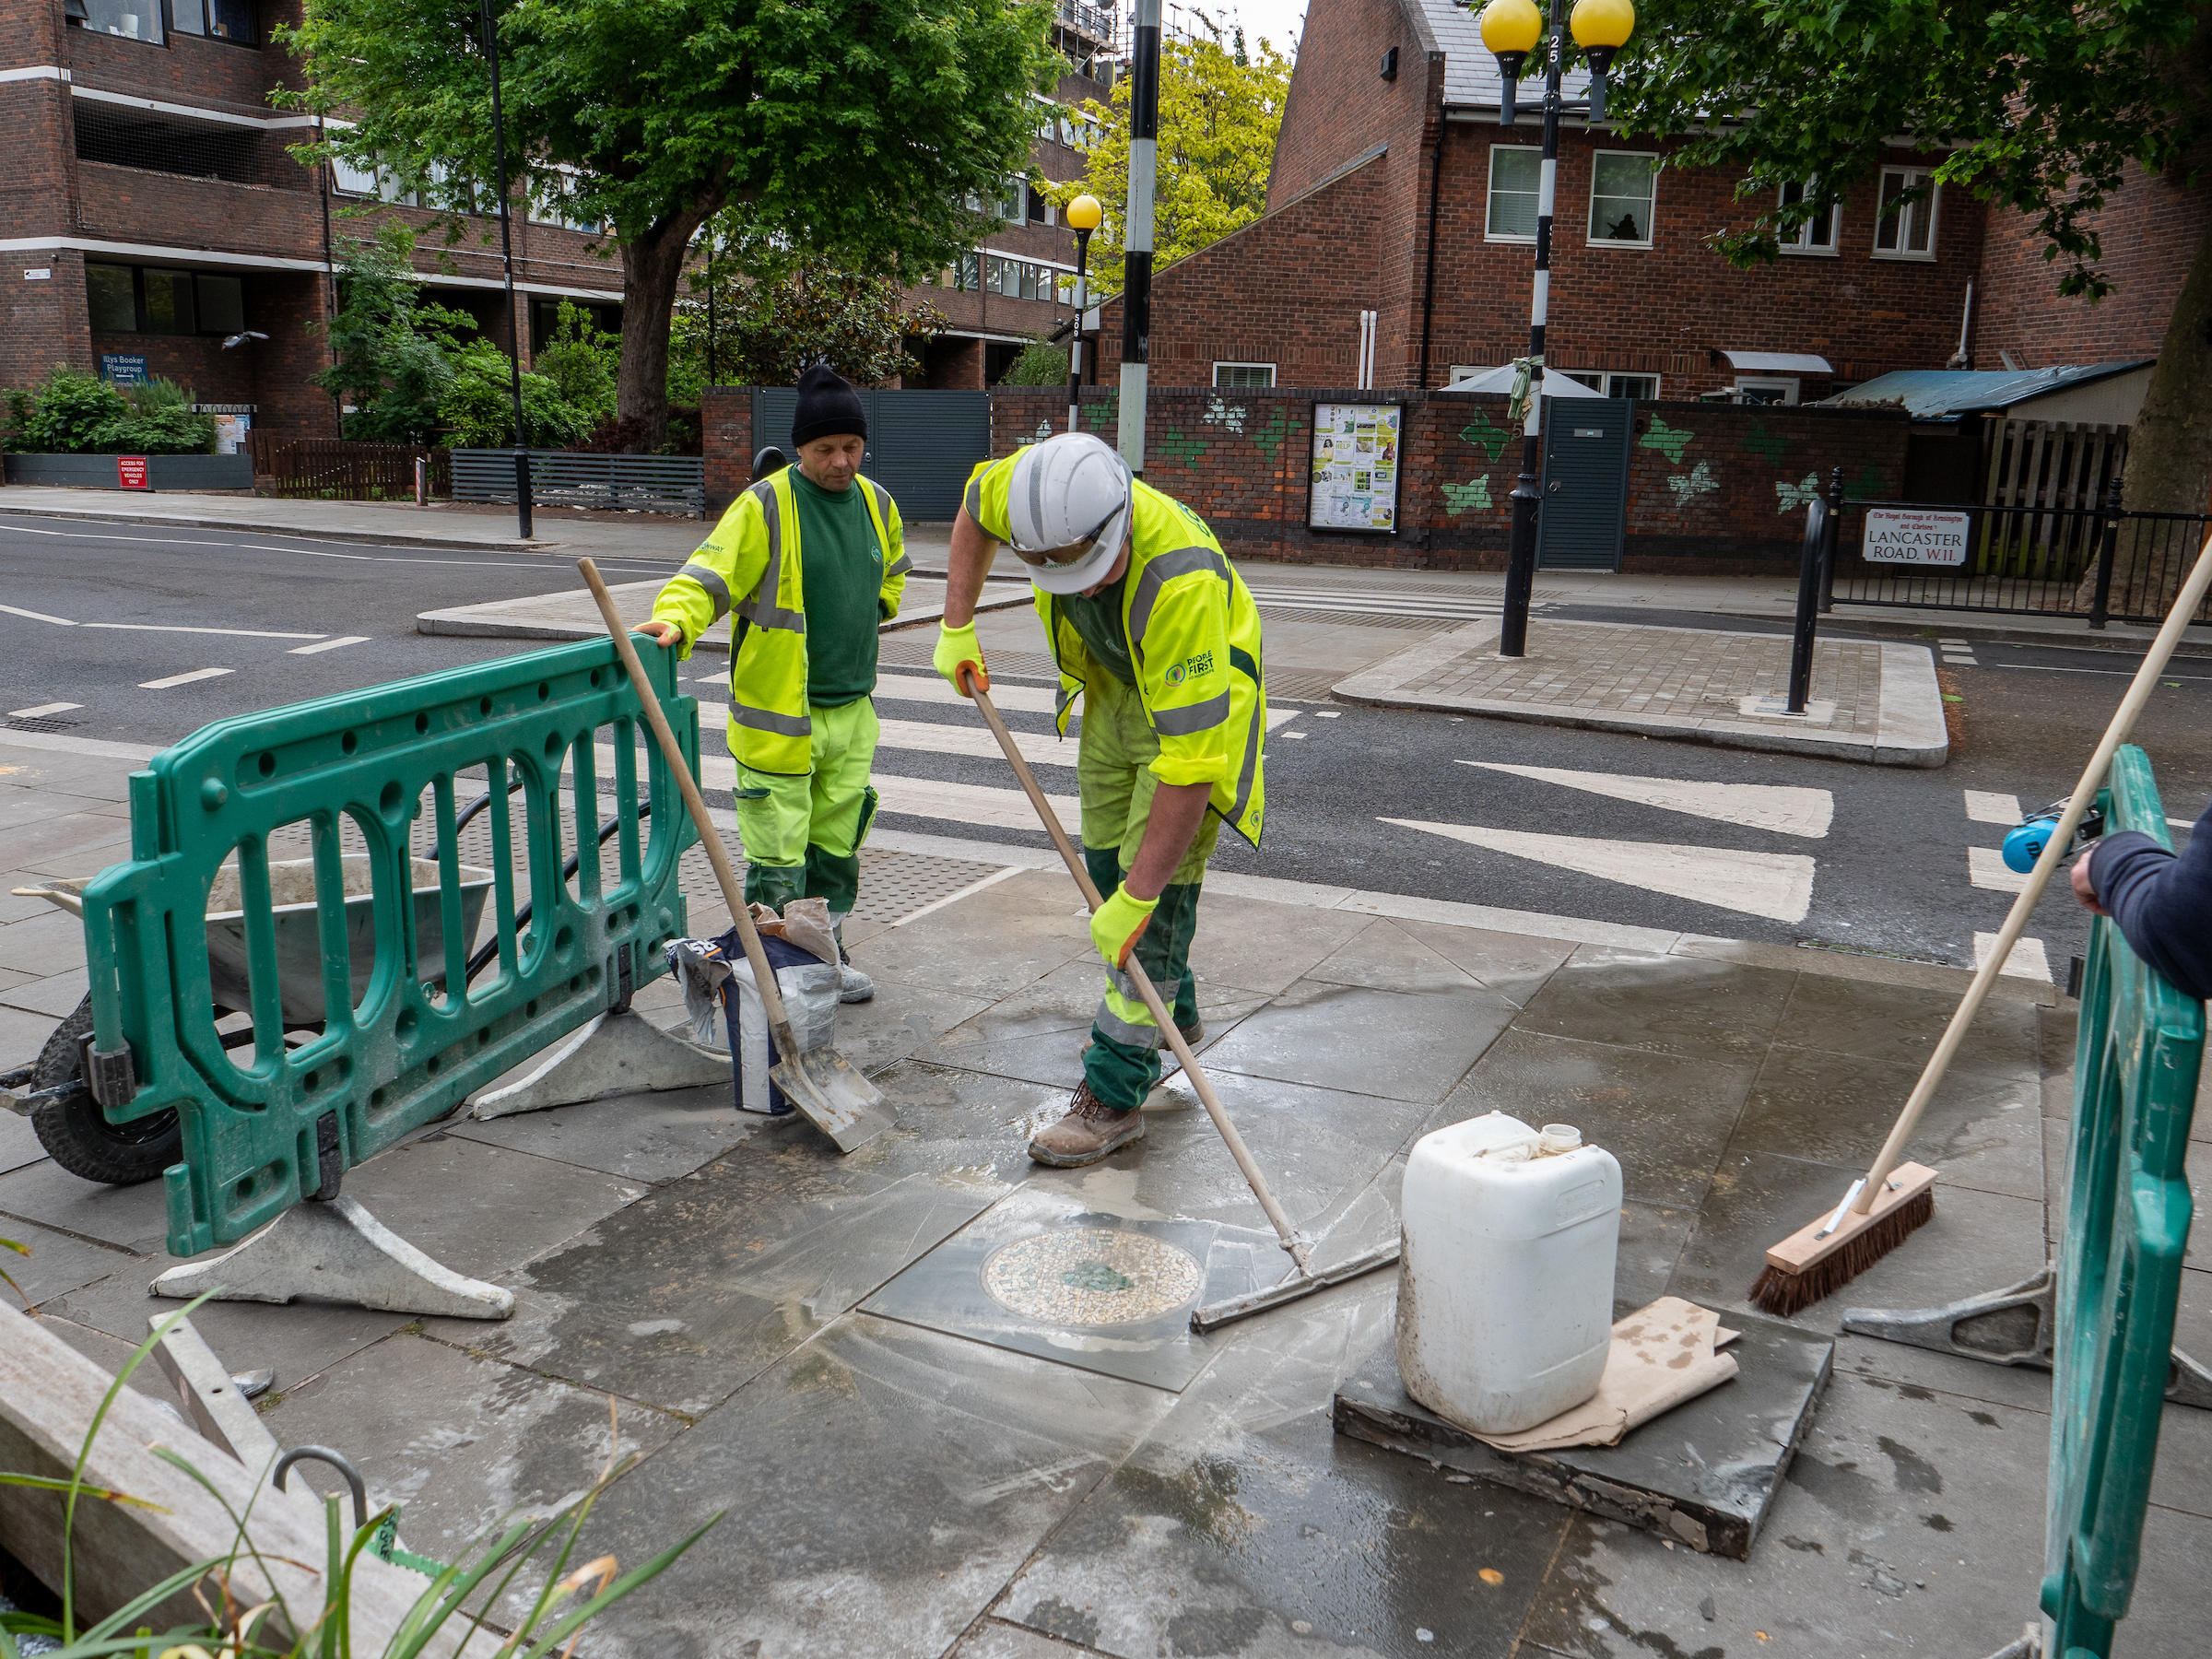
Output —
<point x="51" y="1091"/>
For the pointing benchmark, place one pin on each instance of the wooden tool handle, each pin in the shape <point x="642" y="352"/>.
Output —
<point x="1145" y="989"/>
<point x="2054" y="850"/>
<point x="764" y="977"/>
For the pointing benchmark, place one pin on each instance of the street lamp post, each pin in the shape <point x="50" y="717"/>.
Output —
<point x="515" y="360"/>
<point x="1084" y="213"/>
<point x="1137" y="230"/>
<point x="1512" y="28"/>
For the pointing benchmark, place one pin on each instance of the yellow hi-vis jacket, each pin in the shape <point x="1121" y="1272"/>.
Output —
<point x="751" y="565"/>
<point x="1193" y="637"/>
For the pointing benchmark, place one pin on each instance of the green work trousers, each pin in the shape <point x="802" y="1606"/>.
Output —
<point x="803" y="830"/>
<point x="1114" y="783"/>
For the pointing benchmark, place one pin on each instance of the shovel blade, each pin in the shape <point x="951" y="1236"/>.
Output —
<point x="833" y="1095"/>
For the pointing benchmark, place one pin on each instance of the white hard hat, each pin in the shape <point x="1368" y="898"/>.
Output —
<point x="1068" y="506"/>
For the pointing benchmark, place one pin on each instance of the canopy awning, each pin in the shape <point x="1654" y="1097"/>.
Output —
<point x="1500" y="382"/>
<point x="1778" y="362"/>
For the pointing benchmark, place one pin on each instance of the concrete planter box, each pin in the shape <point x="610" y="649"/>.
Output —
<point x="162" y="471"/>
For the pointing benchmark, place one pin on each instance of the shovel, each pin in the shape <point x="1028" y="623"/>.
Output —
<point x="823" y="1084"/>
<point x="1303" y="1279"/>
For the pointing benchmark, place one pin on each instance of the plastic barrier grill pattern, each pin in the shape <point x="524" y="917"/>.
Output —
<point x="267" y="1125"/>
<point x="2120" y="1263"/>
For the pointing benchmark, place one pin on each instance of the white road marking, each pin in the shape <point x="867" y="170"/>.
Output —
<point x="1038" y="748"/>
<point x="41" y="709"/>
<point x="970" y="803"/>
<point x="1986" y="868"/>
<point x="1984" y="807"/>
<point x="1783" y="808"/>
<point x="232" y="633"/>
<point x="1294" y="734"/>
<point x="181" y="680"/>
<point x="915" y="688"/>
<point x="2182" y="823"/>
<point x="2124" y="672"/>
<point x="1328" y="713"/>
<point x="179" y="541"/>
<point x="1778" y="886"/>
<point x="37" y="615"/>
<point x="329" y="645"/>
<point x="2026" y="962"/>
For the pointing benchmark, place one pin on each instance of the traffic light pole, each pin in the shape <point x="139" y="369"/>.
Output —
<point x="1137" y="234"/>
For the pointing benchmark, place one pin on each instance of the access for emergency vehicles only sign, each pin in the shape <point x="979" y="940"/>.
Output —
<point x="1909" y="536"/>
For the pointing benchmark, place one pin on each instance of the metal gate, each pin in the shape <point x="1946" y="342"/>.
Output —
<point x="922" y="445"/>
<point x="1585" y="506"/>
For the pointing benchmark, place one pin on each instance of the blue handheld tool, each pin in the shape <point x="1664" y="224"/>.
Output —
<point x="2025" y="845"/>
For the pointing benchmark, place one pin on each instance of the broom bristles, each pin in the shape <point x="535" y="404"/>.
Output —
<point x="1784" y="1294"/>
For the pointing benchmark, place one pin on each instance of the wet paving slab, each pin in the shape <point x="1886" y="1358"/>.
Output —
<point x="1404" y="1046"/>
<point x="1666" y="1004"/>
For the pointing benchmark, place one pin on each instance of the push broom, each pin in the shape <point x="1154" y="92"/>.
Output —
<point x="1894" y="1198"/>
<point x="1303" y="1280"/>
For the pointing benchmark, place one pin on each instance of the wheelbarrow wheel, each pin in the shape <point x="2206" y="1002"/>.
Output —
<point x="76" y="1133"/>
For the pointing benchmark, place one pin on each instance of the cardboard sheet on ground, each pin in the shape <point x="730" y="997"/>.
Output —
<point x="1661" y="1355"/>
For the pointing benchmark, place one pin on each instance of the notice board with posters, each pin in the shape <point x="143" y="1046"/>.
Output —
<point x="1355" y="469"/>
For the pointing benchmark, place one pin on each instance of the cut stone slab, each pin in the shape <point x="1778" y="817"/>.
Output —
<point x="1704" y="1474"/>
<point x="1881" y="702"/>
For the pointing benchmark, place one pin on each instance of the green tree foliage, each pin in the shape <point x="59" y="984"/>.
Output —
<point x="779" y="311"/>
<point x="475" y="411"/>
<point x="2042" y="105"/>
<point x="392" y="347"/>
<point x="1040" y="364"/>
<point x="853" y="130"/>
<point x="582" y="362"/>
<point x="1219" y="109"/>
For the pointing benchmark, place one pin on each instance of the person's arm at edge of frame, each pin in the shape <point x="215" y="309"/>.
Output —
<point x="959" y="654"/>
<point x="2161" y="901"/>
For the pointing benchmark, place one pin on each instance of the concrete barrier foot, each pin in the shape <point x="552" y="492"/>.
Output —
<point x="336" y="1252"/>
<point x="614" y="1054"/>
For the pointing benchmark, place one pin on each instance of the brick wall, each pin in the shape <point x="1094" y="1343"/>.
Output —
<point x="2151" y="229"/>
<point x="1339" y="106"/>
<point x="726" y="428"/>
<point x="1713" y="489"/>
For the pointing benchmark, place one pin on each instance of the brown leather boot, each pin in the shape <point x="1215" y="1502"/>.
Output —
<point x="1091" y="1130"/>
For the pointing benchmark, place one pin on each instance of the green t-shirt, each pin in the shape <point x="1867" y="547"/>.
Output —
<point x="1098" y="620"/>
<point x="841" y="570"/>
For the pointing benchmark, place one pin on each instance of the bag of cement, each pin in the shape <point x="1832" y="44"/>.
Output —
<point x="811" y="987"/>
<point x="700" y="968"/>
<point x="804" y="921"/>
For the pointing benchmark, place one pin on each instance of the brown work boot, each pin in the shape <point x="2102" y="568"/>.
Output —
<point x="1091" y="1130"/>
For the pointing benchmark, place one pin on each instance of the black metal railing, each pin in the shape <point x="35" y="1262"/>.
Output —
<point x="2097" y="563"/>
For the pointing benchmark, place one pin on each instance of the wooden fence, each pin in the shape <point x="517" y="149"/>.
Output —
<point x="327" y="469"/>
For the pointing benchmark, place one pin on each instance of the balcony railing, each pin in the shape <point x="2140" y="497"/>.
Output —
<point x="1092" y="22"/>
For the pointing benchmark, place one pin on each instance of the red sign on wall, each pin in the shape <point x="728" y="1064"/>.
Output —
<point x="130" y="472"/>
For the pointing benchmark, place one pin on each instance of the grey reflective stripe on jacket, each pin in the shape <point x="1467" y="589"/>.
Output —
<point x="1197" y="717"/>
<point x="763" y="720"/>
<point x="716" y="589"/>
<point x="760" y="609"/>
<point x="972" y="502"/>
<point x="1158" y="574"/>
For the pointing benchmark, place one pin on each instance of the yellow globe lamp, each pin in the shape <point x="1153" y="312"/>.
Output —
<point x="1510" y="29"/>
<point x="1601" y="28"/>
<point x="1084" y="214"/>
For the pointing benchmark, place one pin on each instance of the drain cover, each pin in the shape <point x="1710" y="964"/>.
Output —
<point x="1091" y="1277"/>
<point x="37" y="722"/>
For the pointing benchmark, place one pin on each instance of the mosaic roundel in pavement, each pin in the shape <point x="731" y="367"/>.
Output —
<point x="1092" y="1276"/>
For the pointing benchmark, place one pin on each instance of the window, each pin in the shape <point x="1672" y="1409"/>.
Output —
<point x="1643" y="387"/>
<point x="147" y="300"/>
<point x="1817" y="234"/>
<point x="1515" y="174"/>
<point x="349" y="179"/>
<point x="1766" y="390"/>
<point x="1906" y="230"/>
<point x="1009" y="205"/>
<point x="1244" y="375"/>
<point x="230" y="20"/>
<point x="1038" y="214"/>
<point x="1621" y="187"/>
<point x="131" y="19"/>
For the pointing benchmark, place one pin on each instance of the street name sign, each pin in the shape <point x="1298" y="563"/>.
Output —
<point x="1911" y="535"/>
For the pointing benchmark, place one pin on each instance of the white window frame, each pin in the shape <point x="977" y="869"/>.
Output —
<point x="1490" y="196"/>
<point x="1903" y="221"/>
<point x="1222" y="385"/>
<point x="1605" y="382"/>
<point x="1651" y="209"/>
<point x="1803" y="245"/>
<point x="1768" y="383"/>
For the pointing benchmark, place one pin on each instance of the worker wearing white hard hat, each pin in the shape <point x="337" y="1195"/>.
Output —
<point x="1151" y="625"/>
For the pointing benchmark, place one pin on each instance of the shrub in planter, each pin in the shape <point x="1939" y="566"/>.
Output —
<point x="68" y="411"/>
<point x="159" y="423"/>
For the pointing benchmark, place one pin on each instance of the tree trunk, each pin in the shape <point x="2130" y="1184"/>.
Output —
<point x="652" y="264"/>
<point x="2169" y="457"/>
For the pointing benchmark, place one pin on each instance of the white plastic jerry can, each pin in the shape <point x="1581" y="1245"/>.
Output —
<point x="1505" y="1284"/>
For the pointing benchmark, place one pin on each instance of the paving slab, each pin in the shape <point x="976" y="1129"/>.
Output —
<point x="1406" y="1046"/>
<point x="1704" y="1474"/>
<point x="1871" y="702"/>
<point x="884" y="1482"/>
<point x="506" y="1444"/>
<point x="1903" y="1023"/>
<point x="651" y="1137"/>
<point x="57" y="1264"/>
<point x="1664" y="1004"/>
<point x="134" y="1220"/>
<point x="1908" y="1525"/>
<point x="18" y="1143"/>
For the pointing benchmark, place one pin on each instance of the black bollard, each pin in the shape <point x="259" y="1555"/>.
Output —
<point x="1809" y="603"/>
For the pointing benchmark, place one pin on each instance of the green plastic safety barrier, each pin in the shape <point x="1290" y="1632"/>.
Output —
<point x="2120" y="1263"/>
<point x="386" y="1030"/>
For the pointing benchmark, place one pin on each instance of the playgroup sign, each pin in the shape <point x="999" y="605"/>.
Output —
<point x="1909" y="536"/>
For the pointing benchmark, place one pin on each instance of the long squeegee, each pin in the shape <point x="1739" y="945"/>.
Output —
<point x="1303" y="1280"/>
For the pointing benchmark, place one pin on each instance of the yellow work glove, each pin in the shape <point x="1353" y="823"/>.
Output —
<point x="961" y="654"/>
<point x="1116" y="925"/>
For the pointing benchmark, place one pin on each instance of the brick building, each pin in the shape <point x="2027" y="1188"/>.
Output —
<point x="1017" y="284"/>
<point x="1396" y="192"/>
<point x="150" y="210"/>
